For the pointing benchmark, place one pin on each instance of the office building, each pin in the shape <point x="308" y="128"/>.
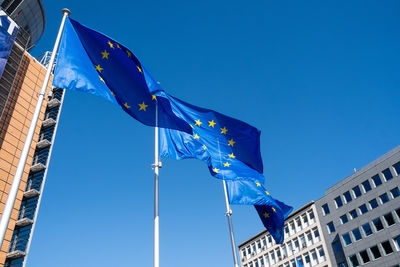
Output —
<point x="20" y="84"/>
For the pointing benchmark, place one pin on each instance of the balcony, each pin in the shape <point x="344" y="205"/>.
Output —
<point x="48" y="122"/>
<point x="23" y="222"/>
<point x="43" y="143"/>
<point x="31" y="193"/>
<point x="53" y="103"/>
<point x="37" y="167"/>
<point x="15" y="254"/>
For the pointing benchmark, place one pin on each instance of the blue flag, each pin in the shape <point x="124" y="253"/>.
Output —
<point x="272" y="212"/>
<point x="91" y="62"/>
<point x="8" y="33"/>
<point x="231" y="148"/>
<point x="298" y="263"/>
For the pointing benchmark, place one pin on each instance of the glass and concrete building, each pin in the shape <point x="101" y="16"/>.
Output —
<point x="360" y="215"/>
<point x="303" y="240"/>
<point x="19" y="88"/>
<point x="356" y="223"/>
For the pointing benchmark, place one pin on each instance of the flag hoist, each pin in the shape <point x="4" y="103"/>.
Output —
<point x="5" y="218"/>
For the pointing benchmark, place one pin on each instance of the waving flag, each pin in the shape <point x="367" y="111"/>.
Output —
<point x="91" y="62"/>
<point x="8" y="33"/>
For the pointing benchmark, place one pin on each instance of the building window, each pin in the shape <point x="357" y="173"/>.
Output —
<point x="389" y="219"/>
<point x="303" y="241"/>
<point x="310" y="239"/>
<point x="384" y="198"/>
<point x="354" y="261"/>
<point x="307" y="260"/>
<point x="387" y="248"/>
<point x="261" y="259"/>
<point x="292" y="228"/>
<point x="363" y="209"/>
<point x="338" y="202"/>
<point x="398" y="213"/>
<point x="353" y="214"/>
<point x="337" y="247"/>
<point x="397" y="168"/>
<point x="366" y="186"/>
<point x="395" y="192"/>
<point x="298" y="222"/>
<point x="356" y="191"/>
<point x="311" y="215"/>
<point x="367" y="229"/>
<point x="344" y="219"/>
<point x="346" y="239"/>
<point x="287" y="230"/>
<point x="356" y="234"/>
<point x="373" y="203"/>
<point x="364" y="256"/>
<point x="290" y="248"/>
<point x="397" y="242"/>
<point x="387" y="174"/>
<point x="316" y="235"/>
<point x="347" y="197"/>
<point x="377" y="180"/>
<point x="296" y="245"/>
<point x="325" y="209"/>
<point x="376" y="254"/>
<point x="305" y="219"/>
<point x="331" y="227"/>
<point x="378" y="224"/>
<point x="321" y="253"/>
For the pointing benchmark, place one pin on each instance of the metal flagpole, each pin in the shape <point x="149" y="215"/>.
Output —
<point x="228" y="215"/>
<point x="157" y="166"/>
<point x="5" y="218"/>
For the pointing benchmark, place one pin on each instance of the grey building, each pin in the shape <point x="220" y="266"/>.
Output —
<point x="360" y="215"/>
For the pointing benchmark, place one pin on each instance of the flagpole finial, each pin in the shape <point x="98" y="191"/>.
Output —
<point x="66" y="11"/>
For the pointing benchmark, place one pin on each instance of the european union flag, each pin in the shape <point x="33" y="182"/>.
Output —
<point x="230" y="147"/>
<point x="91" y="62"/>
<point x="8" y="33"/>
<point x="272" y="212"/>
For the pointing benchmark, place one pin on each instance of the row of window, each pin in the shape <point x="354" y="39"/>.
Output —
<point x="299" y="223"/>
<point x="308" y="259"/>
<point x="356" y="192"/>
<point x="375" y="252"/>
<point x="373" y="203"/>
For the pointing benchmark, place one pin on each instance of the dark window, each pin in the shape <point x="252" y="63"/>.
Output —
<point x="398" y="212"/>
<point x="389" y="219"/>
<point x="377" y="180"/>
<point x="387" y="248"/>
<point x="331" y="227"/>
<point x="388" y="175"/>
<point x="347" y="197"/>
<point x="378" y="224"/>
<point x="376" y="254"/>
<point x="353" y="214"/>
<point x="397" y="167"/>
<point x="367" y="229"/>
<point x="356" y="234"/>
<point x="356" y="191"/>
<point x="364" y="256"/>
<point x="338" y="202"/>
<point x="373" y="203"/>
<point x="325" y="209"/>
<point x="363" y="209"/>
<point x="366" y="185"/>
<point x="344" y="219"/>
<point x="354" y="261"/>
<point x="384" y="198"/>
<point x="395" y="192"/>
<point x="337" y="247"/>
<point x="346" y="239"/>
<point x="397" y="241"/>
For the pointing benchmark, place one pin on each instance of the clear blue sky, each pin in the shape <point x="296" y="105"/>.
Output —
<point x="320" y="79"/>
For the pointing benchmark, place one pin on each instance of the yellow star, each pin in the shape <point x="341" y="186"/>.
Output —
<point x="143" y="106"/>
<point x="232" y="156"/>
<point x="129" y="53"/>
<point x="273" y="209"/>
<point x="211" y="123"/>
<point x="216" y="170"/>
<point x="266" y="192"/>
<point x="114" y="95"/>
<point x="153" y="97"/>
<point x="258" y="184"/>
<point x="101" y="79"/>
<point x="196" y="136"/>
<point x="266" y="215"/>
<point x="126" y="105"/>
<point x="110" y="44"/>
<point x="98" y="68"/>
<point x="191" y="125"/>
<point x="140" y="70"/>
<point x="231" y="142"/>
<point x="198" y="123"/>
<point x="204" y="147"/>
<point x="226" y="164"/>
<point x="118" y="46"/>
<point x="105" y="54"/>
<point x="224" y="130"/>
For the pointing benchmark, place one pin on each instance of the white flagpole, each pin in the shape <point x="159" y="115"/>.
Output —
<point x="228" y="215"/>
<point x="5" y="218"/>
<point x="157" y="166"/>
